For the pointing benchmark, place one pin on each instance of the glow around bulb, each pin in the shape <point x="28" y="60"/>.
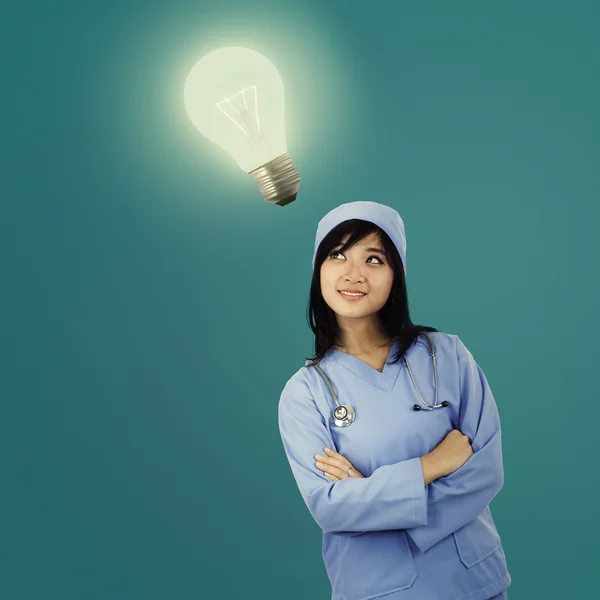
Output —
<point x="235" y="97"/>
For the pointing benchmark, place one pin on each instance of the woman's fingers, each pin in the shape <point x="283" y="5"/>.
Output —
<point x="332" y="469"/>
<point x="339" y="463"/>
<point x="335" y="465"/>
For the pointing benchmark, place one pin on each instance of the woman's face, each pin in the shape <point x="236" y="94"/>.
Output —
<point x="361" y="268"/>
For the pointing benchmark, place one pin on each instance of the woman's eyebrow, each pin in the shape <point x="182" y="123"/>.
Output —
<point x="382" y="252"/>
<point x="375" y="250"/>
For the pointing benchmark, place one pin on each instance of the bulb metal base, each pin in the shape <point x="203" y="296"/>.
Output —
<point x="278" y="180"/>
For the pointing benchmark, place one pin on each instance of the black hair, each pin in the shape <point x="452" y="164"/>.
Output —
<point x="394" y="315"/>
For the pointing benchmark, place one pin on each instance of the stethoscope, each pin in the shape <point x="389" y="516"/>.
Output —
<point x="344" y="414"/>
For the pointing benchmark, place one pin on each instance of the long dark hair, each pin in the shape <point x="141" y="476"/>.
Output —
<point x="394" y="316"/>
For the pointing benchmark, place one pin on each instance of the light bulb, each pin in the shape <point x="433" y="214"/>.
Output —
<point x="235" y="97"/>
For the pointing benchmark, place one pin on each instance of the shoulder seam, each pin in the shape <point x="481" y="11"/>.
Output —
<point x="456" y="340"/>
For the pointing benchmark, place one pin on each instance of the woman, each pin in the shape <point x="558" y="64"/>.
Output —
<point x="400" y="493"/>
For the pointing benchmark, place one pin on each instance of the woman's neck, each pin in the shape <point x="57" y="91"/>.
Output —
<point x="365" y="348"/>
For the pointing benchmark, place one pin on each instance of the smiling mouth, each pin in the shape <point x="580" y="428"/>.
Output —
<point x="351" y="296"/>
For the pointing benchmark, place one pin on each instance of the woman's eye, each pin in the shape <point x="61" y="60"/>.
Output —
<point x="332" y="255"/>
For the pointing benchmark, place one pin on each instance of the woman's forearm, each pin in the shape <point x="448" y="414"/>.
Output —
<point x="430" y="470"/>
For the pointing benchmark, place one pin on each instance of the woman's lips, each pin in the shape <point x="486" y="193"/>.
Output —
<point x="350" y="298"/>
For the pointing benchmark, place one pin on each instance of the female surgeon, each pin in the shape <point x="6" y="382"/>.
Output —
<point x="394" y="443"/>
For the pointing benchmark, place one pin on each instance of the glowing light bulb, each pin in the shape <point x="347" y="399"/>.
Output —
<point x="235" y="97"/>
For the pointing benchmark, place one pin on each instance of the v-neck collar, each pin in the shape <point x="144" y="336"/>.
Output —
<point x="384" y="380"/>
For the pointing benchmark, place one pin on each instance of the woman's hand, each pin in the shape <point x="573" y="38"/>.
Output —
<point x="335" y="466"/>
<point x="450" y="454"/>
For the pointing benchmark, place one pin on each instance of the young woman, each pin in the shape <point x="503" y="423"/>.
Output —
<point x="391" y="430"/>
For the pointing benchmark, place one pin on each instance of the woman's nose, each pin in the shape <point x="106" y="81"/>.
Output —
<point x="353" y="271"/>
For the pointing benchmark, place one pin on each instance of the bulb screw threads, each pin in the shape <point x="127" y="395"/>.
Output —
<point x="278" y="180"/>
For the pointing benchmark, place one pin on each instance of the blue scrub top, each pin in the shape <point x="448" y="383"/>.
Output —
<point x="388" y="534"/>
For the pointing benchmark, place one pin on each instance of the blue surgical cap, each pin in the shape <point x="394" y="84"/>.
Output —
<point x="380" y="214"/>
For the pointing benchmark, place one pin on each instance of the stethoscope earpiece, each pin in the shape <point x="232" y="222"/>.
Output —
<point x="443" y="404"/>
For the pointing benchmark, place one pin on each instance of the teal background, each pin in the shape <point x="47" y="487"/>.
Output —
<point x="154" y="305"/>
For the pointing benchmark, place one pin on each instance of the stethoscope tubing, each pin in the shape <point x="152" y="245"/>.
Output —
<point x="343" y="415"/>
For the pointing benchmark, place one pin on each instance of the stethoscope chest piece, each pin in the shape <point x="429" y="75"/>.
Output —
<point x="343" y="415"/>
